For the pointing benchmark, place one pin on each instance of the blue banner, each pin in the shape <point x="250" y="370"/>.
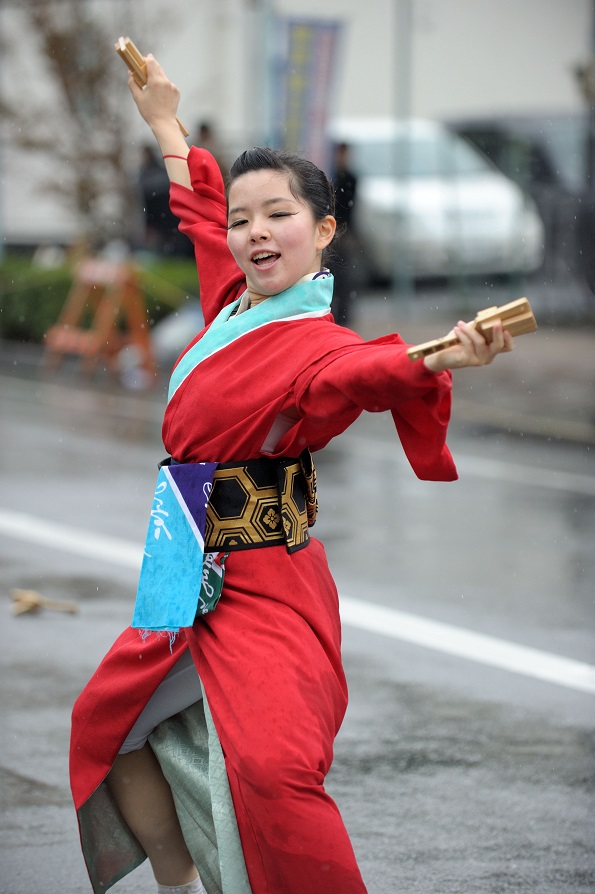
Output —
<point x="304" y="86"/>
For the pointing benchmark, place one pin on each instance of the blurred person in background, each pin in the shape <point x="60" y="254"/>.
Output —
<point x="345" y="247"/>
<point x="161" y="235"/>
<point x="206" y="137"/>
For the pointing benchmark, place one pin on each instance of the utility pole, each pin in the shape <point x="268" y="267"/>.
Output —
<point x="585" y="74"/>
<point x="262" y="65"/>
<point x="403" y="287"/>
<point x="590" y="96"/>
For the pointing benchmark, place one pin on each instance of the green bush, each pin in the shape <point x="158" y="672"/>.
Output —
<point x="32" y="296"/>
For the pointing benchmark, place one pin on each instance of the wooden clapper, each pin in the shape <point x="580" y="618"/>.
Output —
<point x="138" y="66"/>
<point x="516" y="317"/>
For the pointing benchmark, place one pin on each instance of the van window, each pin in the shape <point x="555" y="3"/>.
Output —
<point x="441" y="155"/>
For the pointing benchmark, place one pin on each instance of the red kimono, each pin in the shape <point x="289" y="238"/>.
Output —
<point x="269" y="656"/>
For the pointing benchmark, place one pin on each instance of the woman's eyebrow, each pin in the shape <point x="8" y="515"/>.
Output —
<point x="238" y="209"/>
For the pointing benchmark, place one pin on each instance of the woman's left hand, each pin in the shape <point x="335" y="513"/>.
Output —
<point x="472" y="349"/>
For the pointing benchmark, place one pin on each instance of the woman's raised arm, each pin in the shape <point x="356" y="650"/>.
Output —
<point x="157" y="103"/>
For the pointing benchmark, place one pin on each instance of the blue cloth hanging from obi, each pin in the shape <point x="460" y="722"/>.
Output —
<point x="171" y="573"/>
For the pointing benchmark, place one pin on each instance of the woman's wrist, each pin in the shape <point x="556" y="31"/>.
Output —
<point x="167" y="133"/>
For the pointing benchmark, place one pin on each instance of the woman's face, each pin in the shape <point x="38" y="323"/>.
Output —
<point x="273" y="235"/>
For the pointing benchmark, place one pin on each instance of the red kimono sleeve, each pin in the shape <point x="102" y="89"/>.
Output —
<point x="378" y="376"/>
<point x="203" y="218"/>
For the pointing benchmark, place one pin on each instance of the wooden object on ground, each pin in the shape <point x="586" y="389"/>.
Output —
<point x="516" y="317"/>
<point x="138" y="66"/>
<point x="104" y="313"/>
<point x="25" y="601"/>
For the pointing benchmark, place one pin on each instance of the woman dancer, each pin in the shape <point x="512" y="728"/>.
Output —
<point x="270" y="378"/>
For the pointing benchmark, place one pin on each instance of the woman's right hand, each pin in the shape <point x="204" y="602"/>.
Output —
<point x="158" y="101"/>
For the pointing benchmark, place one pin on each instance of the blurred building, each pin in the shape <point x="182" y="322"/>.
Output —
<point x="440" y="59"/>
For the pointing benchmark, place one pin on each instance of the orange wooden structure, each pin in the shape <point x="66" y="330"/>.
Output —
<point x="104" y="312"/>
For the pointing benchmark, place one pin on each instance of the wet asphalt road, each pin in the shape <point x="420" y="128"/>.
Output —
<point x="453" y="774"/>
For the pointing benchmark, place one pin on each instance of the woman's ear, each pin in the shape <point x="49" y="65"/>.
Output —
<point x="326" y="230"/>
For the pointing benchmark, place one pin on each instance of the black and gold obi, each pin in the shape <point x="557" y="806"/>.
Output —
<point x="262" y="502"/>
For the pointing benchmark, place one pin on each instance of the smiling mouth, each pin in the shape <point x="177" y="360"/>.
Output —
<point x="265" y="258"/>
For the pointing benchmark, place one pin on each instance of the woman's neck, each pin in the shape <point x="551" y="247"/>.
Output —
<point x="255" y="298"/>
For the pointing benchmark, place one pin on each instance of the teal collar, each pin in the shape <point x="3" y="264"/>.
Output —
<point x="304" y="300"/>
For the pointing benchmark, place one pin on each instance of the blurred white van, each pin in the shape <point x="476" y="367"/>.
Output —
<point x="429" y="203"/>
